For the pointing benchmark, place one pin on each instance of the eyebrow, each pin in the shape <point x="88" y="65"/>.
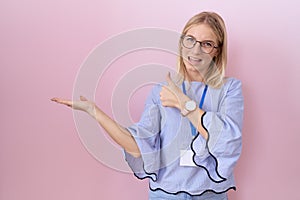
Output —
<point x="209" y="40"/>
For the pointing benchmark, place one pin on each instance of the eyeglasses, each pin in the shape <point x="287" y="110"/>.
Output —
<point x="206" y="46"/>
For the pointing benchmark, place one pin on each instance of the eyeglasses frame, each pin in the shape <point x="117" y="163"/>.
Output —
<point x="200" y="42"/>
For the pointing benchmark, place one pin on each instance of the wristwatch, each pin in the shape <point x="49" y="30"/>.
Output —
<point x="189" y="106"/>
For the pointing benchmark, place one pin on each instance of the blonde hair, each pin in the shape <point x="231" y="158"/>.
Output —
<point x="216" y="71"/>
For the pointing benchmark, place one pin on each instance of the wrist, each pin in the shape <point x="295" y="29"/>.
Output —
<point x="188" y="107"/>
<point x="182" y="100"/>
<point x="92" y="111"/>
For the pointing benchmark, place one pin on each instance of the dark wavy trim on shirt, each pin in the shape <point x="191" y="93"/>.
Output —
<point x="216" y="168"/>
<point x="208" y="190"/>
<point x="149" y="174"/>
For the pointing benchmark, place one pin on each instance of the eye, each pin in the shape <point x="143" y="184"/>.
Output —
<point x="188" y="42"/>
<point x="207" y="44"/>
<point x="189" y="39"/>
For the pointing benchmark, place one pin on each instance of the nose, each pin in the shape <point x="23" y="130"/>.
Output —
<point x="197" y="48"/>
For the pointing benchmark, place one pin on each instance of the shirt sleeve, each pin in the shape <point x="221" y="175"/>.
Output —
<point x="147" y="136"/>
<point x="220" y="152"/>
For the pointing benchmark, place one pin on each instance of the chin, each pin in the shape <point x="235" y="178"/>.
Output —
<point x="194" y="69"/>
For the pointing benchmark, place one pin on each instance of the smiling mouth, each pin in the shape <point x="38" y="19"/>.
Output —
<point x="194" y="60"/>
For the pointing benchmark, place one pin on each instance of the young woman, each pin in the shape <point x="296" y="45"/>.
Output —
<point x="188" y="139"/>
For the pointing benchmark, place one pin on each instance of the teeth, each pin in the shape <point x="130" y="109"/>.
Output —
<point x="194" y="59"/>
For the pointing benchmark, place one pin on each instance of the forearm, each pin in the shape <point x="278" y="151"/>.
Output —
<point x="195" y="119"/>
<point x="118" y="133"/>
<point x="172" y="96"/>
<point x="194" y="116"/>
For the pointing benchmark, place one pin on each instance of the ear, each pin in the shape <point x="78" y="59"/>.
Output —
<point x="217" y="52"/>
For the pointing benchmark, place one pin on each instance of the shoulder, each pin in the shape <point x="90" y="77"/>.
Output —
<point x="232" y="81"/>
<point x="231" y="87"/>
<point x="229" y="82"/>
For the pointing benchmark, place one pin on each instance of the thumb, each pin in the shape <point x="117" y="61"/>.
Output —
<point x="169" y="80"/>
<point x="82" y="98"/>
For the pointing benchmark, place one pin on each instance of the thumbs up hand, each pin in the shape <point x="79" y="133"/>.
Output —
<point x="171" y="95"/>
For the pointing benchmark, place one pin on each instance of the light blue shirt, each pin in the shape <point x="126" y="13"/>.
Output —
<point x="163" y="132"/>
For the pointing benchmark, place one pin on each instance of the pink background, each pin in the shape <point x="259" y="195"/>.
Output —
<point x="42" y="45"/>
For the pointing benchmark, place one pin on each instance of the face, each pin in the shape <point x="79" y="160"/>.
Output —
<point x="194" y="58"/>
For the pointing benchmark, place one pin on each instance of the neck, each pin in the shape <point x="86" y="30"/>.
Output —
<point x="195" y="76"/>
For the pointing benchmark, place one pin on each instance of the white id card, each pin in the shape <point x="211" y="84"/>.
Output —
<point x="186" y="158"/>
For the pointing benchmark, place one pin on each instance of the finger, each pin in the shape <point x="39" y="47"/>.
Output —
<point x="66" y="102"/>
<point x="55" y="99"/>
<point x="62" y="101"/>
<point x="170" y="82"/>
<point x="165" y="90"/>
<point x="168" y="78"/>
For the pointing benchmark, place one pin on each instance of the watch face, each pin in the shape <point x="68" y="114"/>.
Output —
<point x="190" y="105"/>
